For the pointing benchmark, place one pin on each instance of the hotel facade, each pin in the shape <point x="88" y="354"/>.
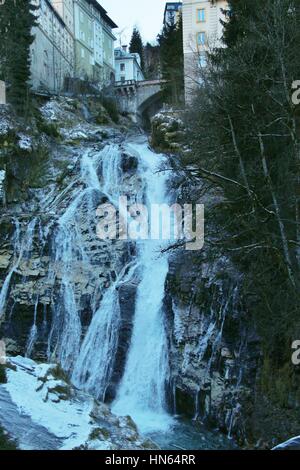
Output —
<point x="202" y="29"/>
<point x="73" y="38"/>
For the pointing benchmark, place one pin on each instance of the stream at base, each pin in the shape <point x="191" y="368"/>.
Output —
<point x="186" y="435"/>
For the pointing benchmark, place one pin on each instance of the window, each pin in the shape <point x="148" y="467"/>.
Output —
<point x="122" y="67"/>
<point x="201" y="15"/>
<point x="82" y="53"/>
<point x="201" y="38"/>
<point x="81" y="17"/>
<point x="122" y="79"/>
<point x="82" y="35"/>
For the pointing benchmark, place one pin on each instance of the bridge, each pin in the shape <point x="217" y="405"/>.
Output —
<point x="140" y="100"/>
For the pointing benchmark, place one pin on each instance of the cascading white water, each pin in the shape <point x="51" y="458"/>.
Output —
<point x="69" y="252"/>
<point x="22" y="251"/>
<point x="143" y="387"/>
<point x="93" y="366"/>
<point x="33" y="331"/>
<point x="142" y="392"/>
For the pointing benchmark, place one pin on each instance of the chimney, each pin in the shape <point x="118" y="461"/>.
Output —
<point x="124" y="48"/>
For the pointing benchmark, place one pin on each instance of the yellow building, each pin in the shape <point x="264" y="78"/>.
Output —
<point x="202" y="29"/>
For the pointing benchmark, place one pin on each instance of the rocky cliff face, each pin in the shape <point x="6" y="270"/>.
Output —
<point x="213" y="344"/>
<point x="214" y="347"/>
<point x="29" y="223"/>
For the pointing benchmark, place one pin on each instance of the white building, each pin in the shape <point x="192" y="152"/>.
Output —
<point x="73" y="38"/>
<point x="202" y="29"/>
<point x="52" y="52"/>
<point x="128" y="66"/>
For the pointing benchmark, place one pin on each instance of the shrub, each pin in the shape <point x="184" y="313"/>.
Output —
<point x="111" y="107"/>
<point x="5" y="442"/>
<point x="3" y="378"/>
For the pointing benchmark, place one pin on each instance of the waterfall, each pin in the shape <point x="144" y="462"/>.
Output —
<point x="22" y="250"/>
<point x="93" y="367"/>
<point x="69" y="255"/>
<point x="88" y="353"/>
<point x="142" y="392"/>
<point x="33" y="331"/>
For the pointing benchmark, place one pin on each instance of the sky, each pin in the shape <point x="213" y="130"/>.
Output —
<point x="146" y="14"/>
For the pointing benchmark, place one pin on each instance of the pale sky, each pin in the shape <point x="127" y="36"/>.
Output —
<point x="146" y="14"/>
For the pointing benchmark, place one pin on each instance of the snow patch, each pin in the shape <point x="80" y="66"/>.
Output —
<point x="69" y="420"/>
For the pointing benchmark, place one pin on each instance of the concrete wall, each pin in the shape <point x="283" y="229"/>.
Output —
<point x="136" y="98"/>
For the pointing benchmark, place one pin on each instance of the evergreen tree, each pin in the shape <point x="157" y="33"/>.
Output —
<point x="171" y="59"/>
<point x="17" y="19"/>
<point x="136" y="46"/>
<point x="152" y="65"/>
<point x="245" y="139"/>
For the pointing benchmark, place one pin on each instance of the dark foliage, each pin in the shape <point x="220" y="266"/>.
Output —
<point x="136" y="46"/>
<point x="245" y="138"/>
<point x="171" y="60"/>
<point x="16" y="22"/>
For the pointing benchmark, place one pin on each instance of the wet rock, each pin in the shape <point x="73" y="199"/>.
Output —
<point x="213" y="367"/>
<point x="129" y="163"/>
<point x="127" y="296"/>
<point x="291" y="444"/>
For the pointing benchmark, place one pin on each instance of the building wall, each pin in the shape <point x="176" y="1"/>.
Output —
<point x="128" y="67"/>
<point x="84" y="40"/>
<point x="66" y="11"/>
<point x="94" y="43"/>
<point x="201" y="29"/>
<point x="52" y="52"/>
<point x="73" y="38"/>
<point x="108" y="55"/>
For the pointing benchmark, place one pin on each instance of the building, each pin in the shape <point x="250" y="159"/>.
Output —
<point x="172" y="12"/>
<point x="94" y="42"/>
<point x="128" y="66"/>
<point x="52" y="52"/>
<point x="65" y="9"/>
<point x="73" y="38"/>
<point x="202" y="29"/>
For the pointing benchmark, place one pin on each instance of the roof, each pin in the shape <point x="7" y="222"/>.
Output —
<point x="104" y="14"/>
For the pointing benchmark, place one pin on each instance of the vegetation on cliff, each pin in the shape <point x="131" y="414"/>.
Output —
<point x="243" y="130"/>
<point x="171" y="62"/>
